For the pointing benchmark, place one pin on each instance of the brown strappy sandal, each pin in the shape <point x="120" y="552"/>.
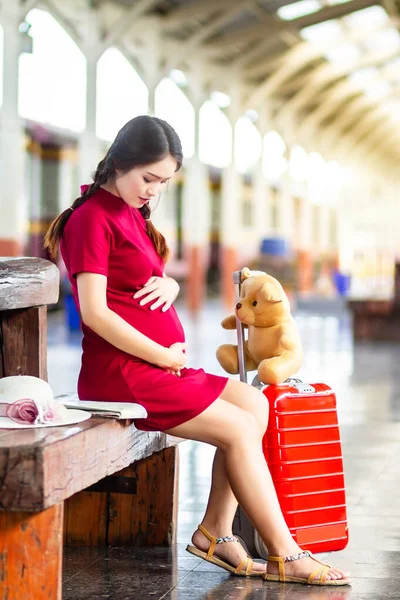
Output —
<point x="321" y="572"/>
<point x="244" y="569"/>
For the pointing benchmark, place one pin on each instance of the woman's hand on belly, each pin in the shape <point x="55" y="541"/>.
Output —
<point x="162" y="289"/>
<point x="174" y="358"/>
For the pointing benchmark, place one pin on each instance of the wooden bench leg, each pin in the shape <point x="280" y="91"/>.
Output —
<point x="31" y="554"/>
<point x="134" y="507"/>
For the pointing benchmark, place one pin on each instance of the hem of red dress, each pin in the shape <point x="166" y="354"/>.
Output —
<point x="179" y="421"/>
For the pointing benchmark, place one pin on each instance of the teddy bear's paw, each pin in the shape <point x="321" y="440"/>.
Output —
<point x="227" y="357"/>
<point x="229" y="322"/>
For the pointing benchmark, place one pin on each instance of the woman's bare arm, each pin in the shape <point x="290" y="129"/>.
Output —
<point x="115" y="330"/>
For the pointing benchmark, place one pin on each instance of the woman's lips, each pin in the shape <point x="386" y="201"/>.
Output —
<point x="145" y="200"/>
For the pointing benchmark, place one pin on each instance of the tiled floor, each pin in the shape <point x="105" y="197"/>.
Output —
<point x="365" y="377"/>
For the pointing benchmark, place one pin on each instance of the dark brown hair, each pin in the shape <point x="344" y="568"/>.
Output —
<point x="143" y="140"/>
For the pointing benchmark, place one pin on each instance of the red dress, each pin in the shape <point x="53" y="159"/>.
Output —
<point x="107" y="236"/>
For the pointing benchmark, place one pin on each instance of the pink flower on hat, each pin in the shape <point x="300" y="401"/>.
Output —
<point x="26" y="410"/>
<point x="23" y="411"/>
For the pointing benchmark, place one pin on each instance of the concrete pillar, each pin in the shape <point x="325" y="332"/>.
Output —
<point x="286" y="213"/>
<point x="196" y="217"/>
<point x="90" y="151"/>
<point x="165" y="215"/>
<point x="34" y="191"/>
<point x="344" y="229"/>
<point x="323" y="244"/>
<point x="230" y="211"/>
<point x="13" y="203"/>
<point x="323" y="230"/>
<point x="305" y="274"/>
<point x="230" y="231"/>
<point x="196" y="209"/>
<point x="152" y="61"/>
<point x="152" y="97"/>
<point x="66" y="189"/>
<point x="261" y="190"/>
<point x="262" y="203"/>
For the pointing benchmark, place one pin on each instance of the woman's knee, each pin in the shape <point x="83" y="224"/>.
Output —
<point x="222" y="424"/>
<point x="244" y="431"/>
<point x="249" y="399"/>
<point x="260" y="408"/>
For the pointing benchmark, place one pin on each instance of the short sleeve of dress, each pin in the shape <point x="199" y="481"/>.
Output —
<point x="88" y="241"/>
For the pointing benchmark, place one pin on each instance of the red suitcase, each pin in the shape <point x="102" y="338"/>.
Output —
<point x="303" y="450"/>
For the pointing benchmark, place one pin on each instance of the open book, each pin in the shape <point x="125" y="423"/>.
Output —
<point x="114" y="410"/>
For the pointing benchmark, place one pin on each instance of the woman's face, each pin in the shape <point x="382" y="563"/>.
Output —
<point x="139" y="185"/>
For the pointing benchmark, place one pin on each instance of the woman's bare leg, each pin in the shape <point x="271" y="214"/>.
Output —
<point x="222" y="503"/>
<point x="219" y="515"/>
<point x="237" y="433"/>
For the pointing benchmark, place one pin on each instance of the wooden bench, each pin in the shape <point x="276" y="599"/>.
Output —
<point x="375" y="319"/>
<point x="97" y="483"/>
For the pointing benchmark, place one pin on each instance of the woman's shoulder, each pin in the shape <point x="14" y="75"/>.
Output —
<point x="89" y="216"/>
<point x="98" y="207"/>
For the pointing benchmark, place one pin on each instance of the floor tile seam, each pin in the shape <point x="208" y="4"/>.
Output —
<point x="175" y="586"/>
<point x="80" y="570"/>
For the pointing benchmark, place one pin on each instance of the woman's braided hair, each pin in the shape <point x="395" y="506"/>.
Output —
<point x="141" y="141"/>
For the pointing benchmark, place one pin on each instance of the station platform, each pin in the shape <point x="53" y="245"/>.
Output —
<point x="365" y="378"/>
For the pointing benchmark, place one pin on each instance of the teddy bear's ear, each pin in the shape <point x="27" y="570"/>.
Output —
<point x="245" y="273"/>
<point x="270" y="292"/>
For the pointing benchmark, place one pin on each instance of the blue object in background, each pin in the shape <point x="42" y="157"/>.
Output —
<point x="274" y="246"/>
<point x="71" y="314"/>
<point x="342" y="283"/>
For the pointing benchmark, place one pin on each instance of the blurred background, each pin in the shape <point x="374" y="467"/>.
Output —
<point x="289" y="116"/>
<point x="288" y="113"/>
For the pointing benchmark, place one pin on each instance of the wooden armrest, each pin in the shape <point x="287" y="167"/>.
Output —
<point x="26" y="282"/>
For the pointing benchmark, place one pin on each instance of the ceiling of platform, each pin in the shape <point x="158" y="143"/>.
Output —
<point x="327" y="72"/>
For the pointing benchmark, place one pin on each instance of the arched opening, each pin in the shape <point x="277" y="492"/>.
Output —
<point x="121" y="94"/>
<point x="172" y="105"/>
<point x="52" y="79"/>
<point x="51" y="100"/>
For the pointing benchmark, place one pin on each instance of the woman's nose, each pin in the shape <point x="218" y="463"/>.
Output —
<point x="152" y="191"/>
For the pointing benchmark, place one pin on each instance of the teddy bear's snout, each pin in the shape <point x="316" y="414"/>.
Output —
<point x="238" y="305"/>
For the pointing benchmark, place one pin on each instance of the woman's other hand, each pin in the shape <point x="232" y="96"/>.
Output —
<point x="162" y="289"/>
<point x="174" y="359"/>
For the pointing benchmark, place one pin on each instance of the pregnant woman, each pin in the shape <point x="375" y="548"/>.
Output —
<point x="134" y="350"/>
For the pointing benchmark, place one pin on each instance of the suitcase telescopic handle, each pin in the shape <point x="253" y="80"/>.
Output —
<point x="237" y="280"/>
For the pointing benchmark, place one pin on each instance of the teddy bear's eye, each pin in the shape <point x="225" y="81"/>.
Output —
<point x="255" y="303"/>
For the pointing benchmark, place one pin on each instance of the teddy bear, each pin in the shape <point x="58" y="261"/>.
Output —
<point x="273" y="345"/>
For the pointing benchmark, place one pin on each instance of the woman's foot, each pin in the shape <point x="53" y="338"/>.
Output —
<point x="231" y="552"/>
<point x="303" y="567"/>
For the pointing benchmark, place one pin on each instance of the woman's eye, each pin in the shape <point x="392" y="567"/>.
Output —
<point x="146" y="180"/>
<point x="255" y="303"/>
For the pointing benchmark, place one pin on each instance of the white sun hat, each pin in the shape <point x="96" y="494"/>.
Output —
<point x="27" y="402"/>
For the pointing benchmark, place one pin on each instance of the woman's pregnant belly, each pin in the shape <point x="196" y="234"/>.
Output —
<point x="164" y="328"/>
